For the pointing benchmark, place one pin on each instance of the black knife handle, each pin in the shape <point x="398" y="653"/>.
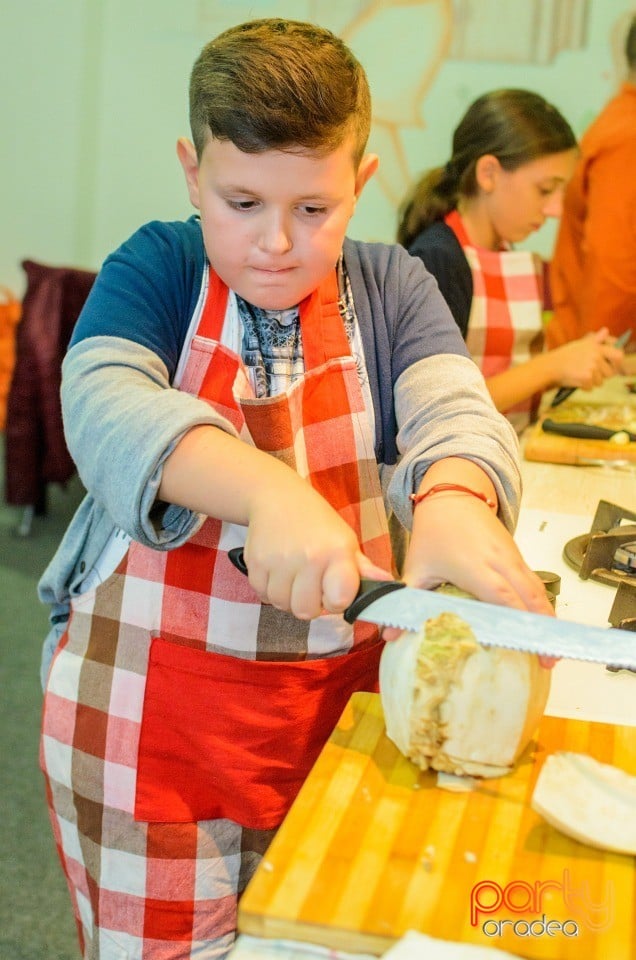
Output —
<point x="237" y="558"/>
<point x="584" y="431"/>
<point x="368" y="591"/>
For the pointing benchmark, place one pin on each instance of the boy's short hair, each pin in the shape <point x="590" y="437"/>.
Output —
<point x="276" y="84"/>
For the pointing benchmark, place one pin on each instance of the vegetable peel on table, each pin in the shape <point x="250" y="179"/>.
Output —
<point x="455" y="706"/>
<point x="587" y="800"/>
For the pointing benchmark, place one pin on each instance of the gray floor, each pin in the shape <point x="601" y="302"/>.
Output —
<point x="35" y="914"/>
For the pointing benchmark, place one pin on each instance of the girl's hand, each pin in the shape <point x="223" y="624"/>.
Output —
<point x="301" y="555"/>
<point x="587" y="362"/>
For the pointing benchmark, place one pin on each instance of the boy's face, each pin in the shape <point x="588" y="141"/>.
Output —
<point x="273" y="223"/>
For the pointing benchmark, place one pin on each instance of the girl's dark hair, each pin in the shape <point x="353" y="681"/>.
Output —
<point x="279" y="84"/>
<point x="515" y="126"/>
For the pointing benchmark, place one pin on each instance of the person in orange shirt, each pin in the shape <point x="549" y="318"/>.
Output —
<point x="593" y="270"/>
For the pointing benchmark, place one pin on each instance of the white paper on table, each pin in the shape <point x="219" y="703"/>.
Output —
<point x="257" y="948"/>
<point x="419" y="946"/>
<point x="412" y="946"/>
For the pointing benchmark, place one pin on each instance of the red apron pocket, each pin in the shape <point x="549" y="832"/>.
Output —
<point x="223" y="737"/>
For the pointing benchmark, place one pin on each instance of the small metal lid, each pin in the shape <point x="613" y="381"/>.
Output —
<point x="551" y="581"/>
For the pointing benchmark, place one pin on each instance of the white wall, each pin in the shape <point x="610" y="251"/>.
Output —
<point x="41" y="73"/>
<point x="94" y="96"/>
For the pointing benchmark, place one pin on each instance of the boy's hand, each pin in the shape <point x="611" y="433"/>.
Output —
<point x="459" y="540"/>
<point x="301" y="555"/>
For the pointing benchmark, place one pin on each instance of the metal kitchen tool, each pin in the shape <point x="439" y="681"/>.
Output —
<point x="623" y="614"/>
<point x="391" y="603"/>
<point x="592" y="554"/>
<point x="564" y="392"/>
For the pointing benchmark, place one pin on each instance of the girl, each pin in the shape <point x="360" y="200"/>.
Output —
<point x="513" y="154"/>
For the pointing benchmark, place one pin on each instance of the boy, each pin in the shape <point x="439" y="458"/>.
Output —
<point x="243" y="378"/>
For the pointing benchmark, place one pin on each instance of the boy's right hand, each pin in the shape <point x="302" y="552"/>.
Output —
<point x="301" y="555"/>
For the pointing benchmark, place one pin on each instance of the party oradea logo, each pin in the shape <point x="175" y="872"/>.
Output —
<point x="545" y="908"/>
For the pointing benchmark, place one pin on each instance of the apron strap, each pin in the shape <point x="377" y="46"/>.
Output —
<point x="455" y="222"/>
<point x="321" y="326"/>
<point x="214" y="308"/>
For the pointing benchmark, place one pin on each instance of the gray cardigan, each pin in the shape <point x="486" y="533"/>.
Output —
<point x="123" y="418"/>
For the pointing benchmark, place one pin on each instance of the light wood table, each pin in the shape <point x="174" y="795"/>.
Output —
<point x="567" y="489"/>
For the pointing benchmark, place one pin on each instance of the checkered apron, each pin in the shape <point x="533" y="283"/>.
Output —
<point x="505" y="323"/>
<point x="181" y="715"/>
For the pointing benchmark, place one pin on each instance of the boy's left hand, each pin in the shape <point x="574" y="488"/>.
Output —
<point x="459" y="540"/>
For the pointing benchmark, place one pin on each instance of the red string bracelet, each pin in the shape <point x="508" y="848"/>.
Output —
<point x="441" y="487"/>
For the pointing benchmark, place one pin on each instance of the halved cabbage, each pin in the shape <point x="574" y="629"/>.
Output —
<point x="456" y="706"/>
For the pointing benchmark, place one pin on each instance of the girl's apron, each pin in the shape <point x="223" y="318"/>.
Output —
<point x="181" y="714"/>
<point x="505" y="324"/>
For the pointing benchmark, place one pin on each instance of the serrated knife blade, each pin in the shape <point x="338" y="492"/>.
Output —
<point x="393" y="604"/>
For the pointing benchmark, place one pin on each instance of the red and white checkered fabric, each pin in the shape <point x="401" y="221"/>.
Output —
<point x="168" y="891"/>
<point x="505" y="324"/>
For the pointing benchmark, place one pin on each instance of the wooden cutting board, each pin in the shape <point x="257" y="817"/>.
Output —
<point x="613" y="395"/>
<point x="553" y="448"/>
<point x="372" y="847"/>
